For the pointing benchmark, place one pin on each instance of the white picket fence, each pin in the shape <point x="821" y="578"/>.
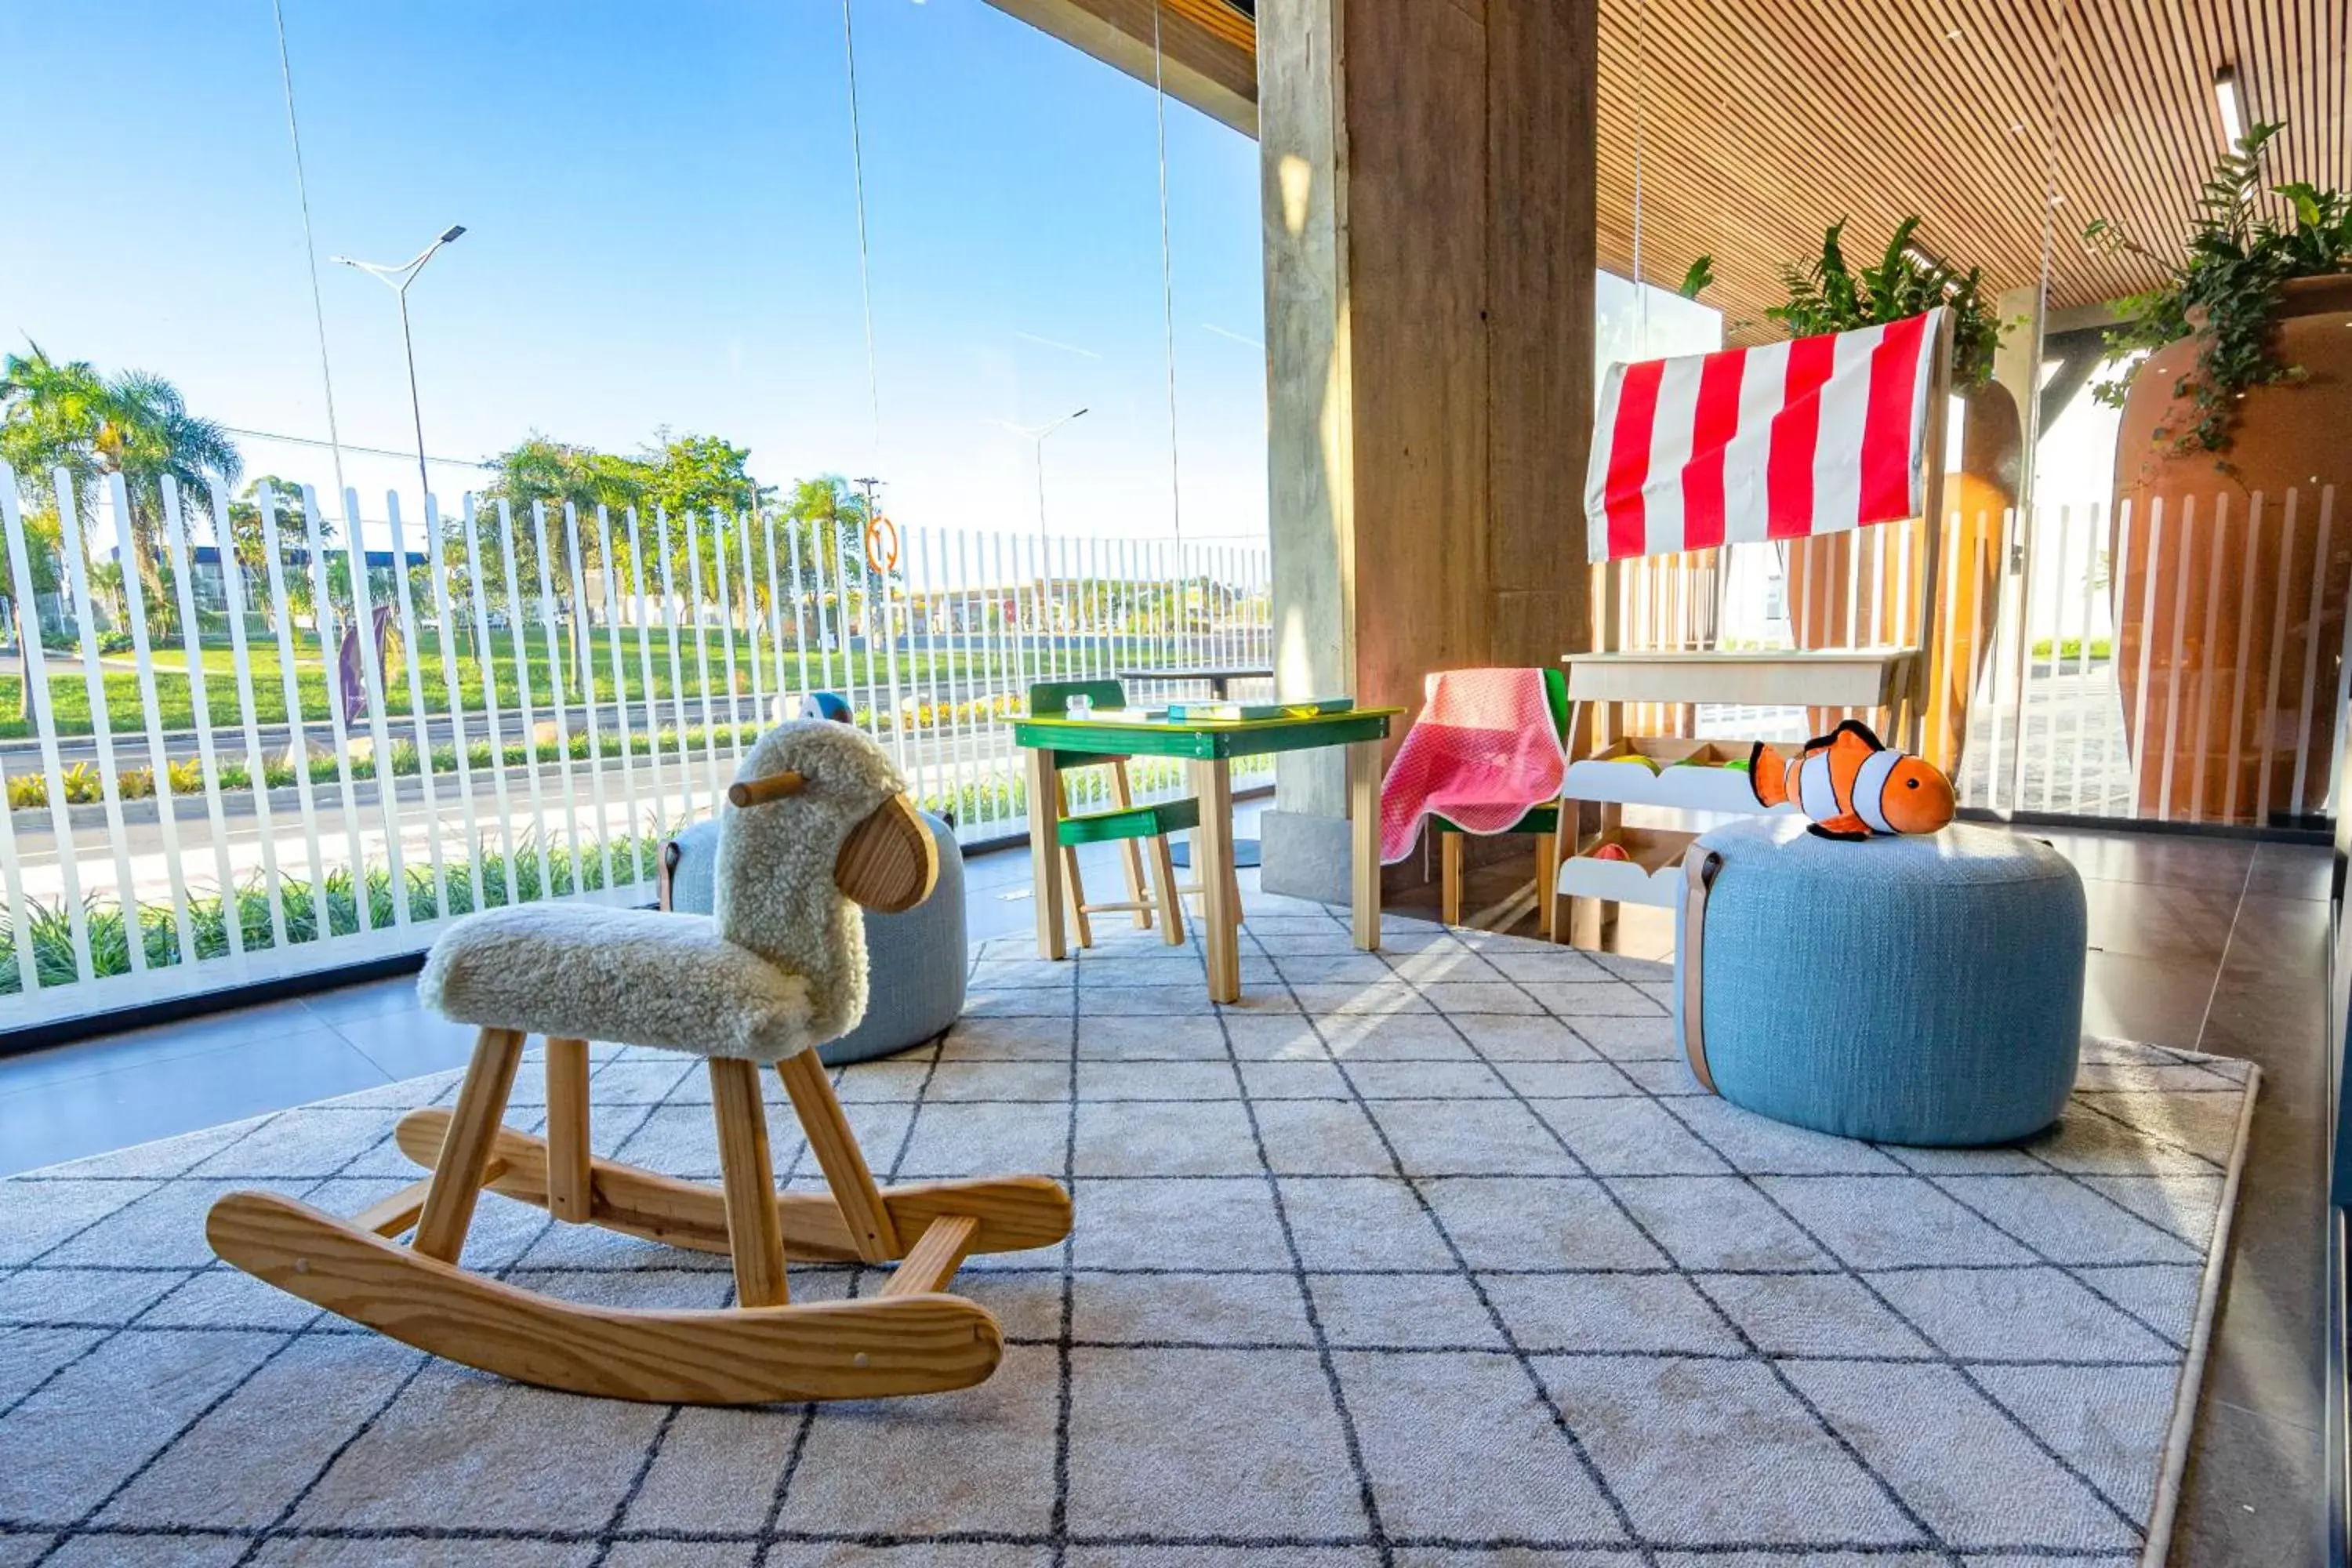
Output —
<point x="543" y="727"/>
<point x="2212" y="632"/>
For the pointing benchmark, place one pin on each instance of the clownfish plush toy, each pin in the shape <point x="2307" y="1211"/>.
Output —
<point x="1851" y="786"/>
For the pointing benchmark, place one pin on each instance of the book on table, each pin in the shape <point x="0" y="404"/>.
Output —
<point x="1245" y="712"/>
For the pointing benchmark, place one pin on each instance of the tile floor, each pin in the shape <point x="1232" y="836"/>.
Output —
<point x="2209" y="944"/>
<point x="2214" y="945"/>
<point x="1445" y="1262"/>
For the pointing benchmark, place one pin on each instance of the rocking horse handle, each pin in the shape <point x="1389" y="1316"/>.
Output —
<point x="761" y="791"/>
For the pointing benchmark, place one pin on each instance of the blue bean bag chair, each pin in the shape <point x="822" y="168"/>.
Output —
<point x="1923" y="990"/>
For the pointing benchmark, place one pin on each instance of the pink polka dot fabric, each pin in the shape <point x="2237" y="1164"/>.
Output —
<point x="1482" y="752"/>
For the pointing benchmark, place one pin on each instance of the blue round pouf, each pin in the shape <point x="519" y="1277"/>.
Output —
<point x="1922" y="990"/>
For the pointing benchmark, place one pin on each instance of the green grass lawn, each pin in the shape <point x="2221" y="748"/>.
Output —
<point x="69" y="692"/>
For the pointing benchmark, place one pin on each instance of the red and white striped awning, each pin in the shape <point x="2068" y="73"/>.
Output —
<point x="1815" y="436"/>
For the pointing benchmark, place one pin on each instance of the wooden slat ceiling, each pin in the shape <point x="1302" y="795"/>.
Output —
<point x="1761" y="121"/>
<point x="1225" y="20"/>
<point x="1209" y="48"/>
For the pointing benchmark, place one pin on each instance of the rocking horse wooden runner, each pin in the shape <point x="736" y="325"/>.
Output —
<point x="816" y="820"/>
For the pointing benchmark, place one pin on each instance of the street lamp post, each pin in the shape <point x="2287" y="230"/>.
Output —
<point x="870" y="484"/>
<point x="397" y="280"/>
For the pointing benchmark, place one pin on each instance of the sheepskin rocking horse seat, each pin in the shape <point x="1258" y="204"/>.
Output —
<point x="777" y="967"/>
<point x="816" y="819"/>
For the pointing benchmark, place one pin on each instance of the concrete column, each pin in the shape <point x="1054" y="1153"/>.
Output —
<point x="1428" y="202"/>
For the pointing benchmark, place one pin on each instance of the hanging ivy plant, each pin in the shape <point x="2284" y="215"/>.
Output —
<point x="2225" y="293"/>
<point x="1826" y="295"/>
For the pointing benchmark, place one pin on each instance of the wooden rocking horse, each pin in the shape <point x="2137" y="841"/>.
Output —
<point x="816" y="819"/>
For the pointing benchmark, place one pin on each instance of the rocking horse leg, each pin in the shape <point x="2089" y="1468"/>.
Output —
<point x="839" y="1157"/>
<point x="466" y="1150"/>
<point x="568" y="1161"/>
<point x="755" y="1230"/>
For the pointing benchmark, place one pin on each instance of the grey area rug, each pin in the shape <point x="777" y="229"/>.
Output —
<point x="1433" y="1256"/>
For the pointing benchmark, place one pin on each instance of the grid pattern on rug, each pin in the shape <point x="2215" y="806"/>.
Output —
<point x="1428" y="1257"/>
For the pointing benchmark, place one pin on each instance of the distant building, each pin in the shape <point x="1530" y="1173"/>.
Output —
<point x="212" y="593"/>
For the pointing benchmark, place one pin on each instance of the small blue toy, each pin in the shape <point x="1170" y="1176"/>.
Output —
<point x="830" y="705"/>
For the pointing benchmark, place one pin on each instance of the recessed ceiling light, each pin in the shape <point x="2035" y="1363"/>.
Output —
<point x="2232" y="100"/>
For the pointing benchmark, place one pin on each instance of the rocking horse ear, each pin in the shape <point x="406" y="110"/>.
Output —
<point x="889" y="861"/>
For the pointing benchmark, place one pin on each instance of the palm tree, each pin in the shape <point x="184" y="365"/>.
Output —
<point x="40" y="556"/>
<point x="832" y="516"/>
<point x="553" y="473"/>
<point x="49" y="412"/>
<point x="43" y="407"/>
<point x="66" y="413"/>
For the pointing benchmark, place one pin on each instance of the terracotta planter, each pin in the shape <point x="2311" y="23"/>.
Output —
<point x="2229" y="626"/>
<point x="1829" y="606"/>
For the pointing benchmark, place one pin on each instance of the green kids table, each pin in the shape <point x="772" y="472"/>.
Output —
<point x="1209" y="747"/>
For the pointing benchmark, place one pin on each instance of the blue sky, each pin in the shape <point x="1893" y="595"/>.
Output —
<point x="661" y="231"/>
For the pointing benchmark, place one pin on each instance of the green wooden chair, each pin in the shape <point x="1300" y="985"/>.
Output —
<point x="1138" y="829"/>
<point x="1543" y="821"/>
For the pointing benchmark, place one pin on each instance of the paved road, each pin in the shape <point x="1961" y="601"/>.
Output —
<point x="563" y="806"/>
<point x="566" y="803"/>
<point x="22" y="754"/>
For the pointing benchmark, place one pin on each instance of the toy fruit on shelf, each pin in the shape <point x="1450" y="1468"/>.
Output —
<point x="1677" y="774"/>
<point x="1610" y="852"/>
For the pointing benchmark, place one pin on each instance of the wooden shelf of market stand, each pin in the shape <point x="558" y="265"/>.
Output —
<point x="1682" y="774"/>
<point x="1644" y="770"/>
<point x="1650" y="874"/>
<point x="1797" y="678"/>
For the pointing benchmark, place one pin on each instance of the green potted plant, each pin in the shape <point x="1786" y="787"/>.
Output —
<point x="1826" y="295"/>
<point x="2235" y="380"/>
<point x="2242" y="276"/>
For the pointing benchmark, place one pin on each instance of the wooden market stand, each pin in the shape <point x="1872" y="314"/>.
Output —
<point x="1680" y="774"/>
